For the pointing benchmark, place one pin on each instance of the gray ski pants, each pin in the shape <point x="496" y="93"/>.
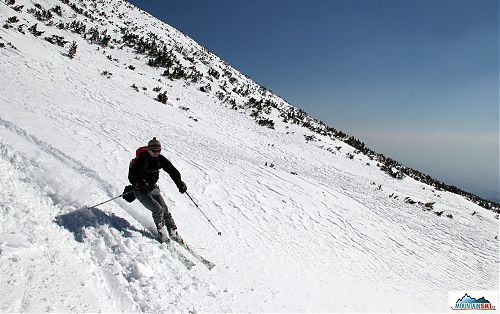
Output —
<point x="155" y="203"/>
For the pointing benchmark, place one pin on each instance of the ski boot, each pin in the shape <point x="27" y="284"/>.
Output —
<point x="175" y="236"/>
<point x="162" y="233"/>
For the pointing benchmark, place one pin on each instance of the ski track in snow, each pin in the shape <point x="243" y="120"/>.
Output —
<point x="325" y="239"/>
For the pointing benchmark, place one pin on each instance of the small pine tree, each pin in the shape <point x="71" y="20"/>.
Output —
<point x="72" y="50"/>
<point x="13" y="19"/>
<point x="94" y="35"/>
<point x="32" y="29"/>
<point x="162" y="97"/>
<point x="57" y="10"/>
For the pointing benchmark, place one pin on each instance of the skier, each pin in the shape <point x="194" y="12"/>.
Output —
<point x="144" y="172"/>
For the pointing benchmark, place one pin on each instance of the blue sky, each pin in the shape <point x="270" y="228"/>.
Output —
<point x="416" y="80"/>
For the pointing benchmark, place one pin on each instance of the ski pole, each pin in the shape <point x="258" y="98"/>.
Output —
<point x="114" y="198"/>
<point x="218" y="232"/>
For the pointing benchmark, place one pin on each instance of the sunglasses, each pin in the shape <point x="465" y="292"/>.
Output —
<point x="155" y="151"/>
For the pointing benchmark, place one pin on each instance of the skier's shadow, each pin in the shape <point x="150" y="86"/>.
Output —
<point x="78" y="220"/>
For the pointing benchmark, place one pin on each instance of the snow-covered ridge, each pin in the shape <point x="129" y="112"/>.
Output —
<point x="107" y="24"/>
<point x="305" y="220"/>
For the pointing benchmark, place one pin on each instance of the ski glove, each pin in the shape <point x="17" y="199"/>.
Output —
<point x="181" y="186"/>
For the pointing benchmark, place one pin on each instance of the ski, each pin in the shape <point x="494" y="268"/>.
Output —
<point x="203" y="260"/>
<point x="174" y="250"/>
<point x="180" y="256"/>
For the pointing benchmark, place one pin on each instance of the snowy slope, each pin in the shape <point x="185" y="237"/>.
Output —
<point x="318" y="231"/>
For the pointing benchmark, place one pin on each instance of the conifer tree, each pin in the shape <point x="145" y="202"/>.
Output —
<point x="72" y="50"/>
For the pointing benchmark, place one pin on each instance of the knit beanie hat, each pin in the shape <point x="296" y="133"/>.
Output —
<point x="154" y="144"/>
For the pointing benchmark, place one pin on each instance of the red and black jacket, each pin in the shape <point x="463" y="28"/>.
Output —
<point x="146" y="169"/>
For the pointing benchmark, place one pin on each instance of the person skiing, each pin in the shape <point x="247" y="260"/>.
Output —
<point x="144" y="172"/>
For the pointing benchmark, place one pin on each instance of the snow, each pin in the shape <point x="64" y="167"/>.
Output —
<point x="318" y="232"/>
